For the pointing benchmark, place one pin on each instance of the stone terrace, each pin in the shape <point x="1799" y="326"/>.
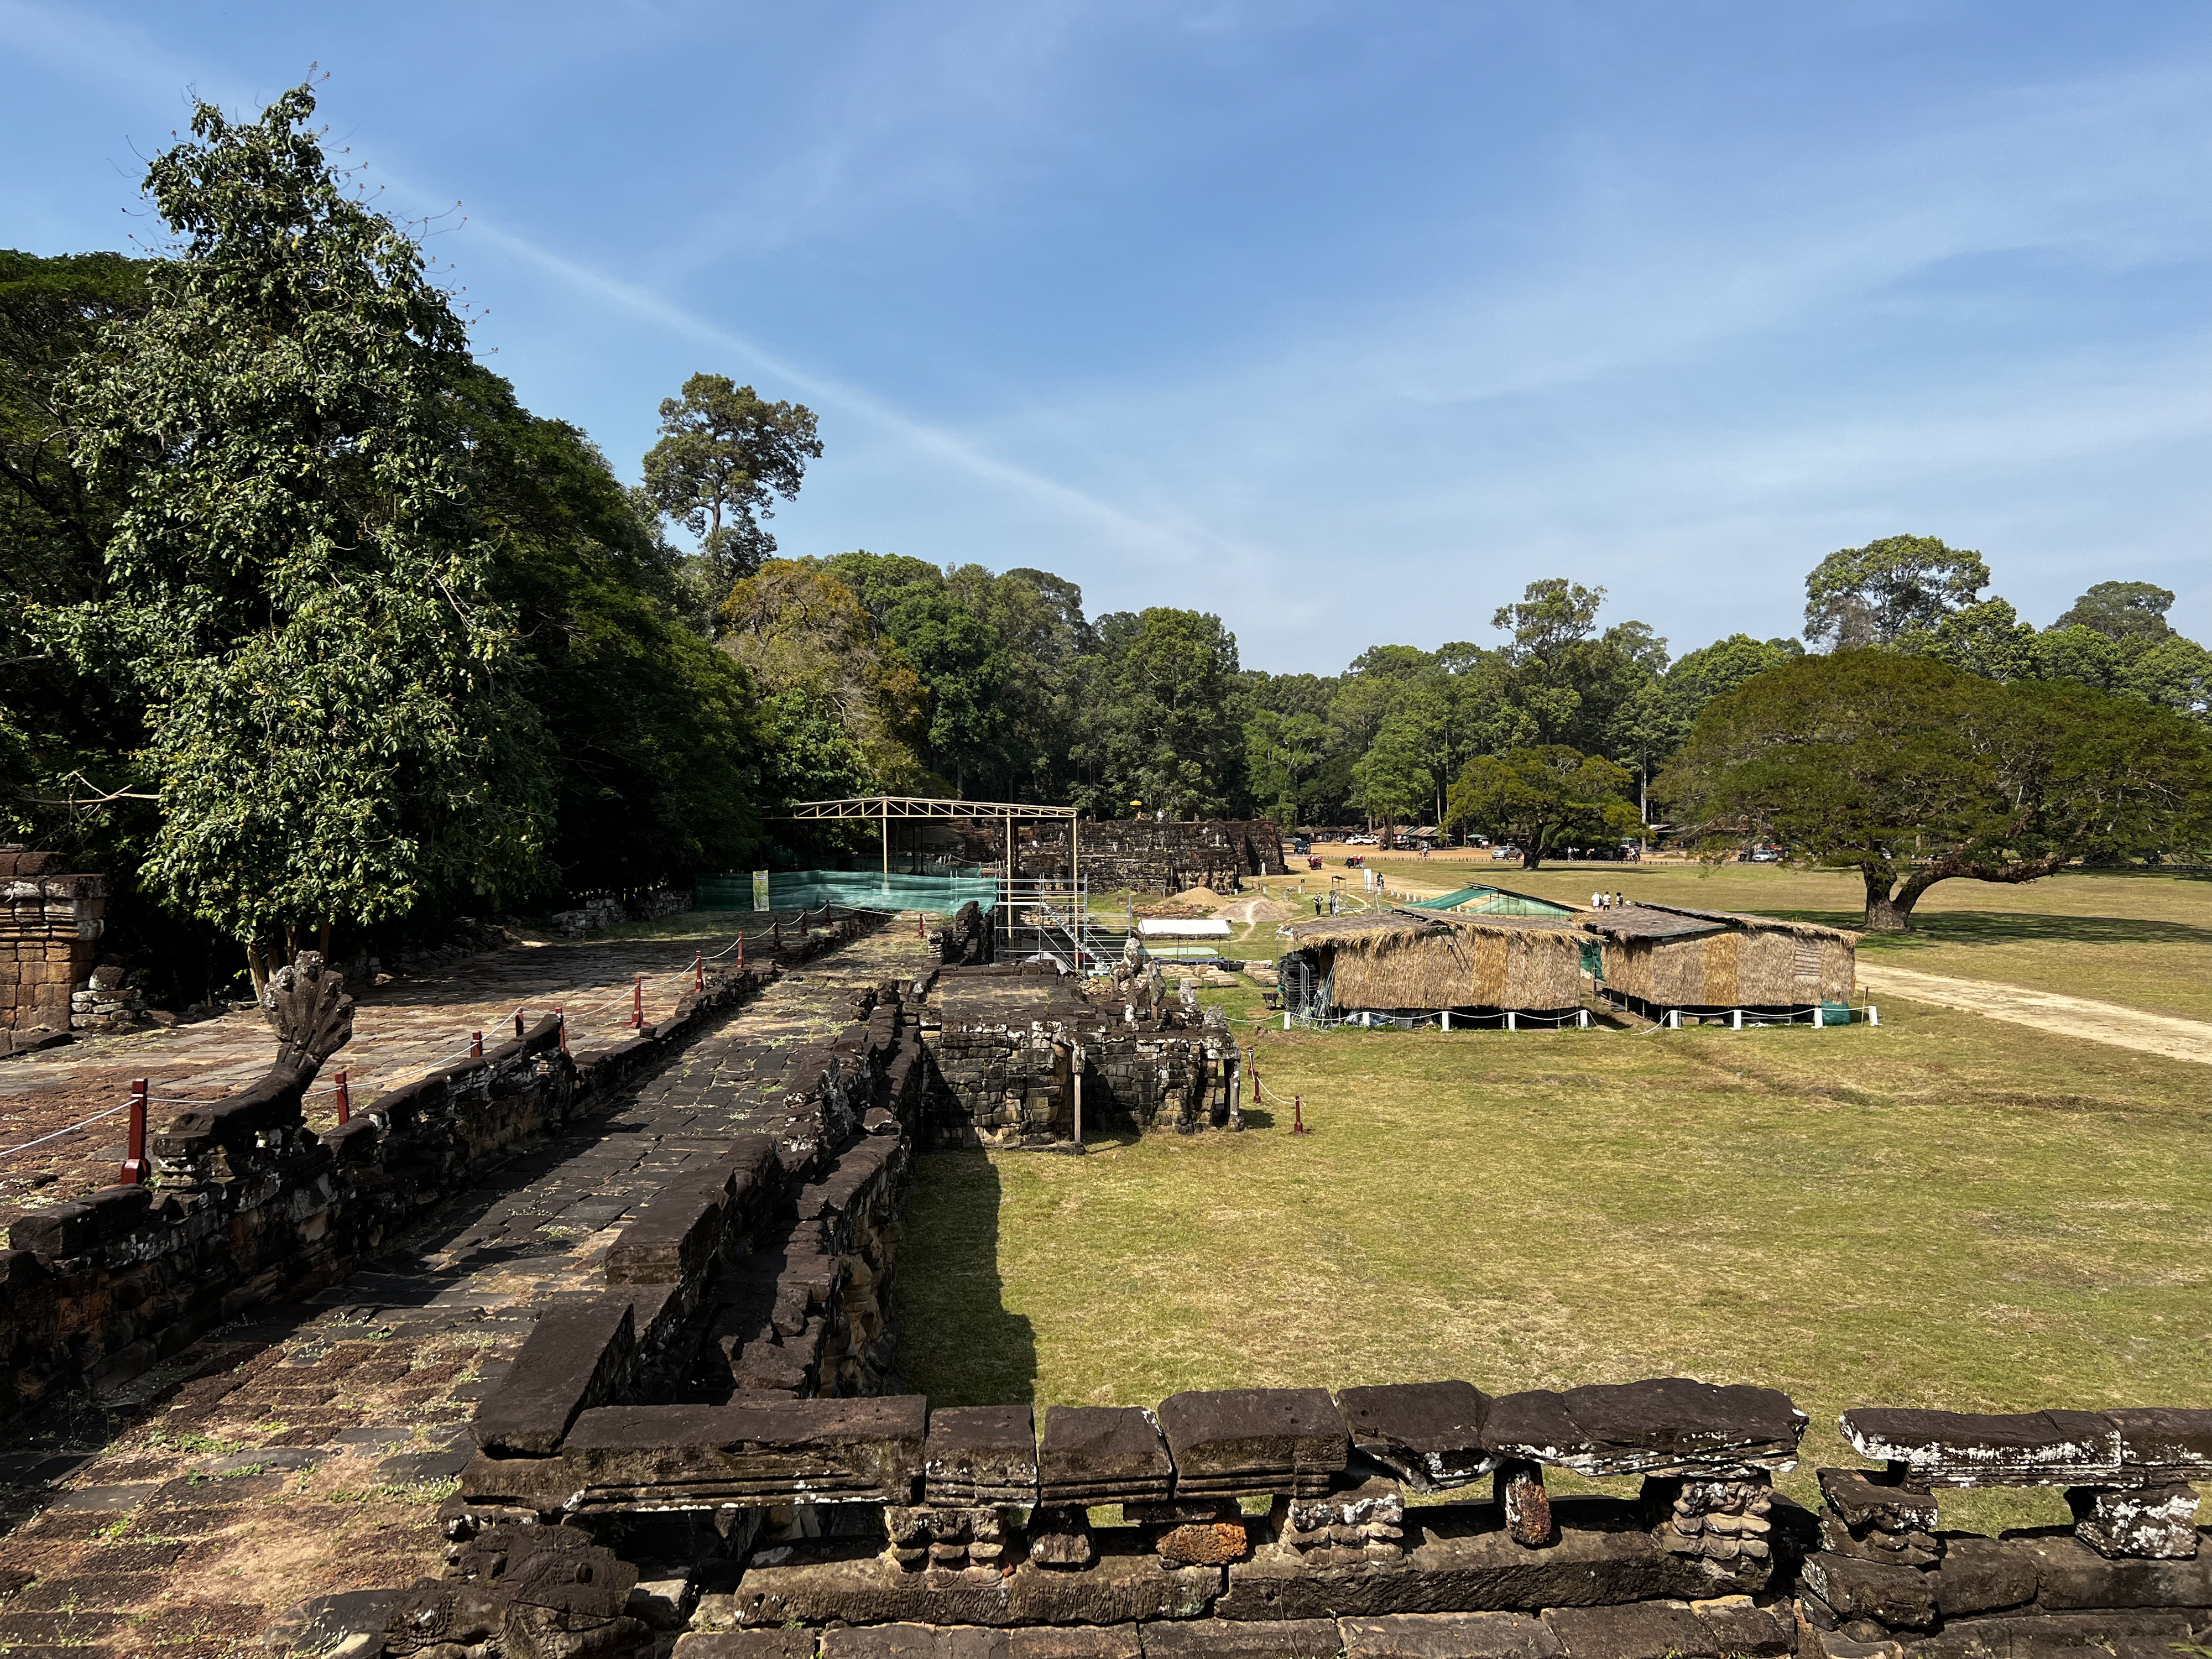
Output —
<point x="304" y="1454"/>
<point x="400" y="1031"/>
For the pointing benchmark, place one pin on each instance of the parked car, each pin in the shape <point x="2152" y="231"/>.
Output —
<point x="1766" y="856"/>
<point x="1362" y="841"/>
<point x="1505" y="853"/>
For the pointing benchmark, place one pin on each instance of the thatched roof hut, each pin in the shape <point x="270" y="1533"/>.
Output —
<point x="1658" y="956"/>
<point x="1415" y="961"/>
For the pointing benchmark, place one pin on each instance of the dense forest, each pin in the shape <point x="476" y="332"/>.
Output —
<point x="312" y="624"/>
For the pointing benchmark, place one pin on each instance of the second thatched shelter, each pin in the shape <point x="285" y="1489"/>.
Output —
<point x="1421" y="962"/>
<point x="1660" y="958"/>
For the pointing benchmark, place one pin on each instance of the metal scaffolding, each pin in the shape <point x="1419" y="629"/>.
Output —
<point x="1047" y="915"/>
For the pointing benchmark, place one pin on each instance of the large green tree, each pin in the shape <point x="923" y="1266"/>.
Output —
<point x="297" y="583"/>
<point x="1166" y="717"/>
<point x="1541" y="799"/>
<point x="63" y="732"/>
<point x="655" y="742"/>
<point x="1282" y="754"/>
<point x="821" y="664"/>
<point x="959" y="658"/>
<point x="1986" y="638"/>
<point x="2126" y="612"/>
<point x="724" y="456"/>
<point x="1912" y="772"/>
<point x="1391" y="781"/>
<point x="1860" y="596"/>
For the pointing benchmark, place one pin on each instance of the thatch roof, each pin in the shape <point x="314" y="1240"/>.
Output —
<point x="1644" y="919"/>
<point x="1640" y="921"/>
<point x="1444" y="959"/>
<point x="1675" y="955"/>
<point x="1404" y="919"/>
<point x="1812" y="929"/>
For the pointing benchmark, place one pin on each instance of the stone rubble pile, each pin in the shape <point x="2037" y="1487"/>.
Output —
<point x="1012" y="1045"/>
<point x="110" y="1001"/>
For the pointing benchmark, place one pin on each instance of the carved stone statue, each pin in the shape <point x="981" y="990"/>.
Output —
<point x="310" y="1012"/>
<point x="312" y="1018"/>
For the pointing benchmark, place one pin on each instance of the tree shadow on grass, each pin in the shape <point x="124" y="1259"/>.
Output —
<point x="958" y="1343"/>
<point x="1985" y="927"/>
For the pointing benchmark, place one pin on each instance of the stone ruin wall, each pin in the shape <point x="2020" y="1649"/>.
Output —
<point x="1265" y="1523"/>
<point x="1138" y="854"/>
<point x="1004" y="1069"/>
<point x="711" y="1456"/>
<point x="49" y="952"/>
<point x="252" y="1206"/>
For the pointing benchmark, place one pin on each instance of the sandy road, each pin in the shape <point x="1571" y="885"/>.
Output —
<point x="2100" y="1022"/>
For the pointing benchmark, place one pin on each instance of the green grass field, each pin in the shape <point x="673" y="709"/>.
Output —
<point x="1943" y="1212"/>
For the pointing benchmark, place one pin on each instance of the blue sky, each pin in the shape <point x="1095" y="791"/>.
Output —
<point x="1343" y="321"/>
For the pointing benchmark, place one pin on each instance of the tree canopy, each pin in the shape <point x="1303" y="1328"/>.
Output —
<point x="1870" y="595"/>
<point x="1912" y="772"/>
<point x="1166" y="732"/>
<point x="59" y="727"/>
<point x="2126" y="612"/>
<point x="726" y="454"/>
<point x="295" y="582"/>
<point x="812" y="650"/>
<point x="1543" y="798"/>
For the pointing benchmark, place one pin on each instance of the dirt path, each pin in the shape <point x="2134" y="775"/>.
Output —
<point x="2100" y="1022"/>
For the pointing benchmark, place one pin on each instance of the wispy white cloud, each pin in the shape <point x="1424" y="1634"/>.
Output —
<point x="855" y="120"/>
<point x="1152" y="537"/>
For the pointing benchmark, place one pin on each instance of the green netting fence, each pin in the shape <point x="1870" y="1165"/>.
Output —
<point x="810" y="889"/>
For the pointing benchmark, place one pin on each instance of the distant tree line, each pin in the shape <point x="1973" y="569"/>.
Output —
<point x="312" y="626"/>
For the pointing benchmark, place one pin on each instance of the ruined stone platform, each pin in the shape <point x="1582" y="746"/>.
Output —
<point x="301" y="1453"/>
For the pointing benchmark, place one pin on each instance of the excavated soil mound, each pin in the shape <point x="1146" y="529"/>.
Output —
<point x="1205" y="896"/>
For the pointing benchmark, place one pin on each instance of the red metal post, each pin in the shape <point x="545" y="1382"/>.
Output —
<point x="637" y="1002"/>
<point x="345" y="1101"/>
<point x="518" y="1022"/>
<point x="561" y="1024"/>
<point x="476" y="1045"/>
<point x="699" y="970"/>
<point x="741" y="948"/>
<point x="134" y="1170"/>
<point x="779" y="938"/>
<point x="1298" y="1114"/>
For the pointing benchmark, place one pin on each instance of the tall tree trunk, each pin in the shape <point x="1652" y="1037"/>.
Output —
<point x="256" y="967"/>
<point x="1886" y="913"/>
